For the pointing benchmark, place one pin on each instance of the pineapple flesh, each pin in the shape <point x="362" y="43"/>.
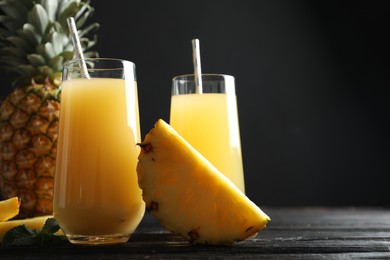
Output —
<point x="9" y="208"/>
<point x="189" y="196"/>
<point x="34" y="45"/>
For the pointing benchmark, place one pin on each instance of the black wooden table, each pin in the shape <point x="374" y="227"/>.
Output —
<point x="304" y="233"/>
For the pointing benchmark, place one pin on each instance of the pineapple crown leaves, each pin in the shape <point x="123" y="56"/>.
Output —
<point x="34" y="36"/>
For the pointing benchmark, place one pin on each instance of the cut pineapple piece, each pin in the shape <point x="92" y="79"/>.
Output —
<point x="189" y="196"/>
<point x="33" y="223"/>
<point x="9" y="208"/>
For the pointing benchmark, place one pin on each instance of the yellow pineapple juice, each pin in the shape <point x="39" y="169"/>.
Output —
<point x="209" y="122"/>
<point x="96" y="186"/>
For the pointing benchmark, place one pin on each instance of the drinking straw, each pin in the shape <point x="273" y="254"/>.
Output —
<point x="77" y="47"/>
<point x="197" y="67"/>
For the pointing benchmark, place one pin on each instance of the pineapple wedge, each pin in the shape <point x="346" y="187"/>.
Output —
<point x="189" y="196"/>
<point x="9" y="208"/>
<point x="33" y="223"/>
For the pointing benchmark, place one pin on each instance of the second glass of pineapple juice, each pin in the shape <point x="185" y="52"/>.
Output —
<point x="96" y="195"/>
<point x="209" y="121"/>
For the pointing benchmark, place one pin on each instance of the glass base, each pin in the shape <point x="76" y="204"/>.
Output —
<point x="98" y="239"/>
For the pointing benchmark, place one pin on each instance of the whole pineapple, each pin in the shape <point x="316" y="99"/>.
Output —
<point x="34" y="44"/>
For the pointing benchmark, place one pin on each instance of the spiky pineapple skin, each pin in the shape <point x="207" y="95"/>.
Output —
<point x="169" y="172"/>
<point x="28" y="141"/>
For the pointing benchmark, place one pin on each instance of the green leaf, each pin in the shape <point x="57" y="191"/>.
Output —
<point x="15" y="51"/>
<point x="19" y="42"/>
<point x="5" y="19"/>
<point x="26" y="69"/>
<point x="46" y="50"/>
<point x="10" y="23"/>
<point x="51" y="7"/>
<point x="36" y="59"/>
<point x="68" y="55"/>
<point x="70" y="9"/>
<point x="50" y="227"/>
<point x="45" y="70"/>
<point x="41" y="50"/>
<point x="56" y="41"/>
<point x="84" y="42"/>
<point x="83" y="14"/>
<point x="63" y="36"/>
<point x="29" y="33"/>
<point x="27" y="3"/>
<point x="87" y="43"/>
<point x="12" y="61"/>
<point x="57" y="63"/>
<point x="88" y="29"/>
<point x="3" y="41"/>
<point x="14" y="9"/>
<point x="24" y="236"/>
<point x="20" y="236"/>
<point x="69" y="47"/>
<point x="91" y="54"/>
<point x="38" y="17"/>
<point x="49" y="50"/>
<point x="62" y="5"/>
<point x="4" y="32"/>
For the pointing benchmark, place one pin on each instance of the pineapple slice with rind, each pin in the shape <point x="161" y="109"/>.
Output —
<point x="9" y="208"/>
<point x="32" y="223"/>
<point x="189" y="196"/>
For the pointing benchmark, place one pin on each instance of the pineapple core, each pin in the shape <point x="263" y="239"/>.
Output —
<point x="189" y="196"/>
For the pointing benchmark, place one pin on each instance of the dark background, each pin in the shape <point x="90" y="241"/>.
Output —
<point x="312" y="82"/>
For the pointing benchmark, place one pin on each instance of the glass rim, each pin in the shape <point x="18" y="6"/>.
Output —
<point x="77" y="61"/>
<point x="185" y="76"/>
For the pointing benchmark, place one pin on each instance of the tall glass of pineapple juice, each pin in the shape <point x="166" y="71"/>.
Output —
<point x="209" y="121"/>
<point x="96" y="195"/>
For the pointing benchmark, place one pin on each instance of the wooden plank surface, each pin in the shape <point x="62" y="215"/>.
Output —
<point x="304" y="233"/>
